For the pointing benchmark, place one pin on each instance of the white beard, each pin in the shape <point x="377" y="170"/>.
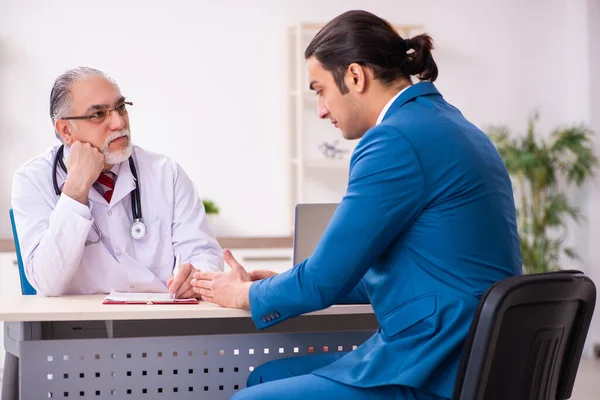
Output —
<point x="117" y="157"/>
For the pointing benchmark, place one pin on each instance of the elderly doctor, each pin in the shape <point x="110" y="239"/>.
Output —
<point x="96" y="214"/>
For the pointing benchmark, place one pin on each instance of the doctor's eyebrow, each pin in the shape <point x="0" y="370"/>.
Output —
<point x="105" y="106"/>
<point x="311" y="86"/>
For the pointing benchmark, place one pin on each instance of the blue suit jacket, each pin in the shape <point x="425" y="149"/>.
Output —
<point x="428" y="223"/>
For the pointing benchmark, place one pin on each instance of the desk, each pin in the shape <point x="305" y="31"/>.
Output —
<point x="76" y="347"/>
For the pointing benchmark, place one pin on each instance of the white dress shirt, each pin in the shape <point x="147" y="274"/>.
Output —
<point x="53" y="229"/>
<point x="388" y="105"/>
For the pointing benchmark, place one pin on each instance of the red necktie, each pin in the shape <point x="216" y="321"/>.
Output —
<point x="107" y="182"/>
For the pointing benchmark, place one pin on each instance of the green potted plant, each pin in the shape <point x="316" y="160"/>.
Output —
<point x="212" y="212"/>
<point x="542" y="172"/>
<point x="210" y="207"/>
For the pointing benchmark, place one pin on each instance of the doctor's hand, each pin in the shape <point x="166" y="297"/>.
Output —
<point x="181" y="284"/>
<point x="84" y="165"/>
<point x="227" y="289"/>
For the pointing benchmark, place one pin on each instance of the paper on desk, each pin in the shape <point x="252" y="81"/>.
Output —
<point x="147" y="298"/>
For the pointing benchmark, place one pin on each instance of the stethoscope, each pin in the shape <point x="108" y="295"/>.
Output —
<point x="138" y="228"/>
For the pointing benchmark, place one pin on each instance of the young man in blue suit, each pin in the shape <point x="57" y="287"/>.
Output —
<point x="428" y="223"/>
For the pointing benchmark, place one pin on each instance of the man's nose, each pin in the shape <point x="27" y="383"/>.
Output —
<point x="323" y="112"/>
<point x="116" y="121"/>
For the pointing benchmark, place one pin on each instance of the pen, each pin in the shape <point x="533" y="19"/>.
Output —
<point x="176" y="269"/>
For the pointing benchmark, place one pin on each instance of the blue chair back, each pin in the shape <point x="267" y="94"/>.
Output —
<point x="26" y="287"/>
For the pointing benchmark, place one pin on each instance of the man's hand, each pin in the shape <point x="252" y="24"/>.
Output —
<point x="261" y="274"/>
<point x="227" y="289"/>
<point x="84" y="165"/>
<point x="181" y="284"/>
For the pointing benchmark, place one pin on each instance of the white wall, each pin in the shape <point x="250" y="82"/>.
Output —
<point x="207" y="79"/>
<point x="593" y="209"/>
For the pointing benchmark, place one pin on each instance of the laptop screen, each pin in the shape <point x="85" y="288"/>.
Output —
<point x="309" y="224"/>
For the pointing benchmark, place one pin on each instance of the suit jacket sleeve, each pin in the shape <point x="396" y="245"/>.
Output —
<point x="386" y="191"/>
<point x="358" y="295"/>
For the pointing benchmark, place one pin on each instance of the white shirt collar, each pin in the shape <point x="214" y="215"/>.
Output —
<point x="116" y="168"/>
<point x="388" y="105"/>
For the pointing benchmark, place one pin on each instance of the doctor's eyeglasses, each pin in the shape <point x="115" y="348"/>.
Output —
<point x="99" y="116"/>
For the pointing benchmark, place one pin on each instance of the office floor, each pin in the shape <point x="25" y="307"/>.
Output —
<point x="587" y="384"/>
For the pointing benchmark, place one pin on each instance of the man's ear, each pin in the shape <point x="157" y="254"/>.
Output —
<point x="356" y="77"/>
<point x="64" y="129"/>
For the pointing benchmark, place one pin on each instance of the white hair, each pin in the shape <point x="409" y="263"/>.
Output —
<point x="113" y="157"/>
<point x="60" y="96"/>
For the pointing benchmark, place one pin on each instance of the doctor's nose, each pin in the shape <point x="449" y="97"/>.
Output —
<point x="116" y="121"/>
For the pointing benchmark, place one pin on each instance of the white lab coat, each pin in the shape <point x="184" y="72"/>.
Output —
<point x="53" y="230"/>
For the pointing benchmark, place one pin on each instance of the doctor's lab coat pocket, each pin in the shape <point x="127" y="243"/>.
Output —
<point x="408" y="315"/>
<point x="155" y="251"/>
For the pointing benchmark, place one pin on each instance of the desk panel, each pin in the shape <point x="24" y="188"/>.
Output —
<point x="190" y="367"/>
<point x="74" y="346"/>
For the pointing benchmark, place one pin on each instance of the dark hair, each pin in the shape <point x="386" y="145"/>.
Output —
<point x="364" y="38"/>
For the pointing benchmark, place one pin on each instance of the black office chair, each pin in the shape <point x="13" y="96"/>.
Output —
<point x="526" y="338"/>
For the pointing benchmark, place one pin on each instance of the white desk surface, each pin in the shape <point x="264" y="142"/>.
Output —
<point x="18" y="308"/>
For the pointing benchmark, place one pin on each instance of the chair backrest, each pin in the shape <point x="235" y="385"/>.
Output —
<point x="26" y="288"/>
<point x="526" y="338"/>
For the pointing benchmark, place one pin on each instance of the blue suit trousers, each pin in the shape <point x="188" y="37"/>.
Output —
<point x="291" y="379"/>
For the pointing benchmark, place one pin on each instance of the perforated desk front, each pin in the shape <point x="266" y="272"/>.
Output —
<point x="75" y="347"/>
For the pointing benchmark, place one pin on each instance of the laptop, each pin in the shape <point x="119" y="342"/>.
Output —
<point x="310" y="222"/>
